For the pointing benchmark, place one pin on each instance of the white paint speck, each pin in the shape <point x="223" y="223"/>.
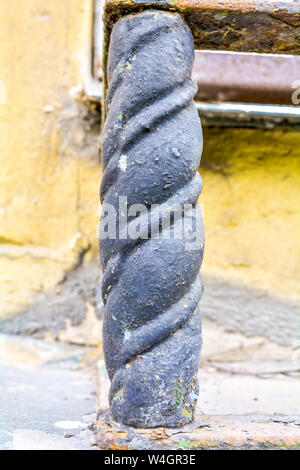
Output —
<point x="193" y="395"/>
<point x="122" y="164"/>
<point x="48" y="109"/>
<point x="127" y="334"/>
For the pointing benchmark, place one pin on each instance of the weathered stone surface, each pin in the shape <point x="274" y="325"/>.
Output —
<point x="152" y="145"/>
<point x="71" y="313"/>
<point x="219" y="432"/>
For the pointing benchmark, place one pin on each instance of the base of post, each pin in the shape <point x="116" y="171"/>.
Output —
<point x="205" y="433"/>
<point x="117" y="436"/>
<point x="213" y="432"/>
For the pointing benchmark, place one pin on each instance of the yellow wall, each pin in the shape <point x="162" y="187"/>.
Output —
<point x="50" y="170"/>
<point x="251" y="204"/>
<point x="49" y="177"/>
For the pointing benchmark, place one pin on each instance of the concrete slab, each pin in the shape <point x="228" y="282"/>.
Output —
<point x="47" y="395"/>
<point x="249" y="397"/>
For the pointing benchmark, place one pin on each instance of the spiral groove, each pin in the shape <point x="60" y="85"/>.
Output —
<point x="152" y="146"/>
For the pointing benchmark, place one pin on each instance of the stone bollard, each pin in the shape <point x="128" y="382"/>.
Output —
<point x="151" y="230"/>
<point x="152" y="143"/>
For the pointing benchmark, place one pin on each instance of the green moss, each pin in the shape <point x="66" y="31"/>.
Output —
<point x="221" y="15"/>
<point x="178" y="397"/>
<point x="187" y="413"/>
<point x="185" y="445"/>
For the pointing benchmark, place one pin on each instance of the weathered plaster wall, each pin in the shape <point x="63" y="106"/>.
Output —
<point x="49" y="184"/>
<point x="49" y="163"/>
<point x="251" y="203"/>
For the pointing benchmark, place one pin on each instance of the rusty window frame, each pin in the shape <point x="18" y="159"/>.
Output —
<point x="230" y="98"/>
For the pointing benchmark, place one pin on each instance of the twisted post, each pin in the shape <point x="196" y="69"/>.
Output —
<point x="152" y="145"/>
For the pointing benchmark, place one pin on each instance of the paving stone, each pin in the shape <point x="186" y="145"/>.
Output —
<point x="46" y="394"/>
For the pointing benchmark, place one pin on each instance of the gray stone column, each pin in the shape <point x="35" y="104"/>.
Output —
<point x="152" y="146"/>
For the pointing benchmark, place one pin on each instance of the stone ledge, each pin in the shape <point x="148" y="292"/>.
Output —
<point x="207" y="432"/>
<point x="248" y="399"/>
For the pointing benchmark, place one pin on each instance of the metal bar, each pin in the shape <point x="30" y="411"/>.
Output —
<point x="246" y="78"/>
<point x="249" y="115"/>
<point x="251" y="109"/>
